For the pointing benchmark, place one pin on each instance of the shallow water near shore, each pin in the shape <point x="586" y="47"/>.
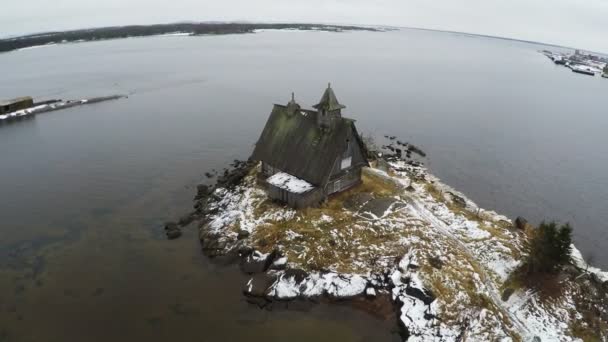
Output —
<point x="85" y="191"/>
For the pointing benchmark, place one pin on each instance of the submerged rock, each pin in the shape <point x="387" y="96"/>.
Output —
<point x="202" y="191"/>
<point x="187" y="219"/>
<point x="173" y="234"/>
<point x="171" y="226"/>
<point x="416" y="150"/>
<point x="172" y="230"/>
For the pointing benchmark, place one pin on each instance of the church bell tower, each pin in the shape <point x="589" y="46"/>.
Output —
<point x="328" y="109"/>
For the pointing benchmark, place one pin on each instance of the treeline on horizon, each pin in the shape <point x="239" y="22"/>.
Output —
<point x="104" y="33"/>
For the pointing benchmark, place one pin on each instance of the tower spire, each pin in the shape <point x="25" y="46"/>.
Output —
<point x="292" y="105"/>
<point x="328" y="101"/>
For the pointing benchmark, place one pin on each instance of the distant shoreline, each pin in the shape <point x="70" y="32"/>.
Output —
<point x="187" y="29"/>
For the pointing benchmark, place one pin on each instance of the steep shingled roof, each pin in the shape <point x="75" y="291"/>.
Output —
<point x="329" y="101"/>
<point x="295" y="144"/>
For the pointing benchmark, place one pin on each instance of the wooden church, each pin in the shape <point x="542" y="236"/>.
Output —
<point x="307" y="154"/>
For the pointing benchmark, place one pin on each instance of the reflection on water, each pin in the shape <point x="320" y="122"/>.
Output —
<point x="85" y="191"/>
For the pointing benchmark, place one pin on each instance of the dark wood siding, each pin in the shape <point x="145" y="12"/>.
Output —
<point x="345" y="180"/>
<point x="307" y="199"/>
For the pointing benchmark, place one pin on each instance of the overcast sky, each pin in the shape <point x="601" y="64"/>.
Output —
<point x="575" y="23"/>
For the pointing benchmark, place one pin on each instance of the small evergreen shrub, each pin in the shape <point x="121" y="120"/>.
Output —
<point x="549" y="248"/>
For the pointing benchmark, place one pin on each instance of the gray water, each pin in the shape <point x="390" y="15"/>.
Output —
<point x="84" y="192"/>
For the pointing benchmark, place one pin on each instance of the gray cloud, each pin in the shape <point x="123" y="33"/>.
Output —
<point x="577" y="23"/>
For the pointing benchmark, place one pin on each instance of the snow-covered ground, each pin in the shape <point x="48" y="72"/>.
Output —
<point x="404" y="233"/>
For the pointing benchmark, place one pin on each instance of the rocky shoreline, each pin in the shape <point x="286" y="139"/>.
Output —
<point x="440" y="264"/>
<point x="188" y="29"/>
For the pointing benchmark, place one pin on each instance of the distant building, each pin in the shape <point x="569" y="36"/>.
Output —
<point x="308" y="155"/>
<point x="13" y="105"/>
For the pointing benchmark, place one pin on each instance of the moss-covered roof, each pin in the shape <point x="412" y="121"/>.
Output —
<point x="294" y="143"/>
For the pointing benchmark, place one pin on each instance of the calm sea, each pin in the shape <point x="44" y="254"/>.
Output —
<point x="84" y="192"/>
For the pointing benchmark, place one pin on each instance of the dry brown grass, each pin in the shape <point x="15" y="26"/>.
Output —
<point x="337" y="244"/>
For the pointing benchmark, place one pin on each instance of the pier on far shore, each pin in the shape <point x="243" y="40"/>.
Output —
<point x="25" y="107"/>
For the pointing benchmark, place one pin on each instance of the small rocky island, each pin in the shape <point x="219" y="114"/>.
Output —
<point x="396" y="242"/>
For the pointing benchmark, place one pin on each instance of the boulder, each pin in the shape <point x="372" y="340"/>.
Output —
<point x="232" y="178"/>
<point x="426" y="296"/>
<point x="297" y="274"/>
<point x="243" y="234"/>
<point x="378" y="206"/>
<point x="506" y="294"/>
<point x="259" y="284"/>
<point x="356" y="201"/>
<point x="520" y="223"/>
<point x="279" y="264"/>
<point x="436" y="262"/>
<point x="213" y="244"/>
<point x="458" y="200"/>
<point x="245" y="251"/>
<point x="257" y="262"/>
